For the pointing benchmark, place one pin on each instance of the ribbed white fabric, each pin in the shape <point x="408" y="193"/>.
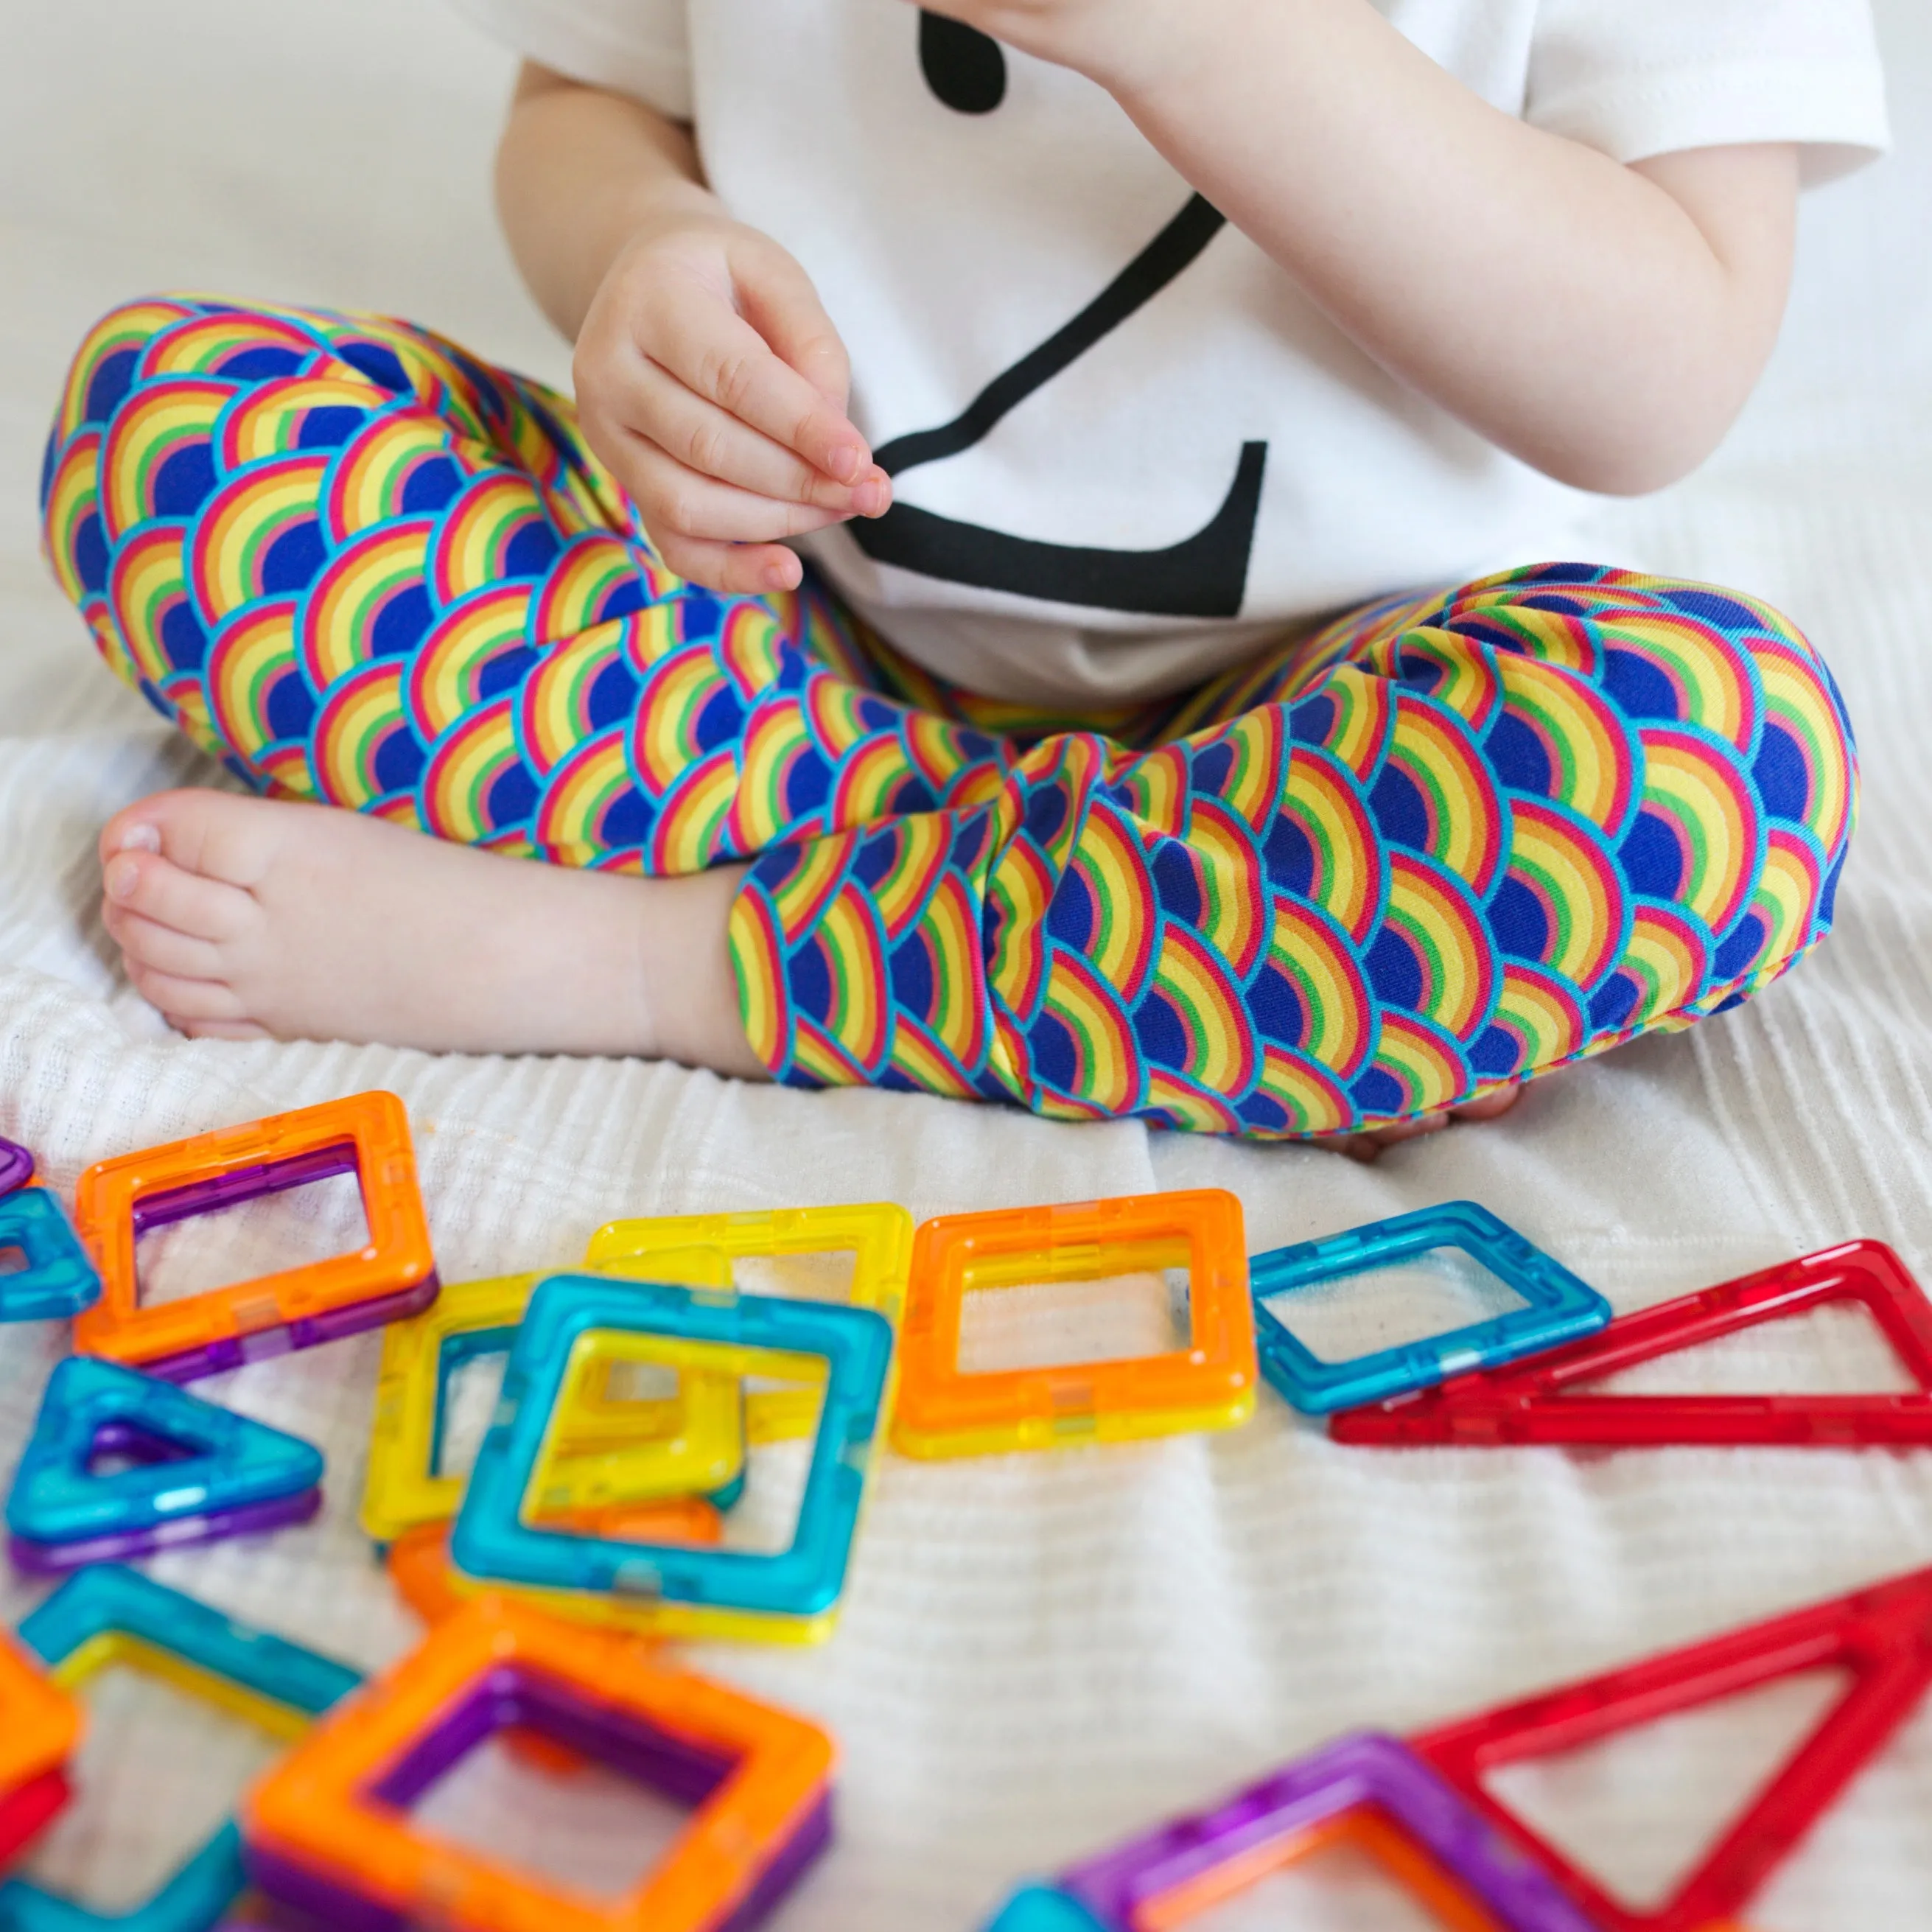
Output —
<point x="1039" y="1653"/>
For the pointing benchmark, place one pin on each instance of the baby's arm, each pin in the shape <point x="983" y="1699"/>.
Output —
<point x="709" y="378"/>
<point x="1605" y="323"/>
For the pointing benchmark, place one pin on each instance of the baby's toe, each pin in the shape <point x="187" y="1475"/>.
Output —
<point x="212" y="834"/>
<point x="129" y="830"/>
<point x="163" y="948"/>
<point x="223" y="1030"/>
<point x="1492" y="1106"/>
<point x="1365" y="1147"/>
<point x="151" y="886"/>
<point x="183" y="1002"/>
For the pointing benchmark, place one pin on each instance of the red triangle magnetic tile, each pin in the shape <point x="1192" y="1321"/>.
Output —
<point x="1881" y="1638"/>
<point x="1529" y="1402"/>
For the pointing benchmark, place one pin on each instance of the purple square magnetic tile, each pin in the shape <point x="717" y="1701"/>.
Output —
<point x="307" y="1331"/>
<point x="1368" y="1768"/>
<point x="254" y="1183"/>
<point x="242" y="1184"/>
<point x="291" y="1884"/>
<point x="526" y="1700"/>
<point x="513" y="1699"/>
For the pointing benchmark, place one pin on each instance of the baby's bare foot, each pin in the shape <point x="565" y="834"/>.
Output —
<point x="248" y="918"/>
<point x="1365" y="1147"/>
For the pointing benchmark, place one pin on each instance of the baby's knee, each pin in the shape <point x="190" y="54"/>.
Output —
<point x="102" y="375"/>
<point x="1723" y="694"/>
<point x="104" y="367"/>
<point x="1746" y="770"/>
<point x="136" y="424"/>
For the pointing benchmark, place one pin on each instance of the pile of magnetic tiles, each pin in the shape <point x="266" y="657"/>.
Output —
<point x="593" y="1526"/>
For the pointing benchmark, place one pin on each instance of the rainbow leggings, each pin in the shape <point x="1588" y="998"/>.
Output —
<point x="1450" y="842"/>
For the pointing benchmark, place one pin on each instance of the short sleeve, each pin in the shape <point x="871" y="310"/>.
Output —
<point x="638" y="47"/>
<point x="1636" y="78"/>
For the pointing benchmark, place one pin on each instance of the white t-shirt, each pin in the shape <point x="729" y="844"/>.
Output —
<point x="1125" y="448"/>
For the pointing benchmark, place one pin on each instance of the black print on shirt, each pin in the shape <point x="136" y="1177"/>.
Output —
<point x="963" y="67"/>
<point x="1206" y="575"/>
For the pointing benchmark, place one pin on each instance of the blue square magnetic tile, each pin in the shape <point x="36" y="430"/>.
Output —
<point x="107" y="1600"/>
<point x="471" y="1345"/>
<point x="491" y="1540"/>
<point x="1561" y="1307"/>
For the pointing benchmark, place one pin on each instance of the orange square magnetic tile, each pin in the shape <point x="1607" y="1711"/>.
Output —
<point x="392" y="1276"/>
<point x="1208" y="1384"/>
<point x="40" y="1724"/>
<point x="419" y="1566"/>
<point x="328" y="1819"/>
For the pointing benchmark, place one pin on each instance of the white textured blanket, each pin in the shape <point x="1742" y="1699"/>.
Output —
<point x="1039" y="1653"/>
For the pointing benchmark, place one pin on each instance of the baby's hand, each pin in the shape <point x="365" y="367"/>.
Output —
<point x="711" y="382"/>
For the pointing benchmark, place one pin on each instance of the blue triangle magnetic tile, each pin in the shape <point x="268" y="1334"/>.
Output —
<point x="57" y="1279"/>
<point x="231" y="1462"/>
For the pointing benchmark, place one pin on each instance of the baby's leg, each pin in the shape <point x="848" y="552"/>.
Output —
<point x="363" y="571"/>
<point x="1609" y="804"/>
<point x="248" y="918"/>
<point x="1449" y="845"/>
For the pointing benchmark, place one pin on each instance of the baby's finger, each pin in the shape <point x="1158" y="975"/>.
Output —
<point x="673" y="497"/>
<point x="780" y="301"/>
<point x="733" y="570"/>
<point x="703" y="438"/>
<point x="712" y="349"/>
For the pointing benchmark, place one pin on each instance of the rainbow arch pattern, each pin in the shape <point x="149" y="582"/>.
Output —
<point x="1448" y="843"/>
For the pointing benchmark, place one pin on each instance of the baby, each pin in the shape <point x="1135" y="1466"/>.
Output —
<point x="981" y="628"/>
